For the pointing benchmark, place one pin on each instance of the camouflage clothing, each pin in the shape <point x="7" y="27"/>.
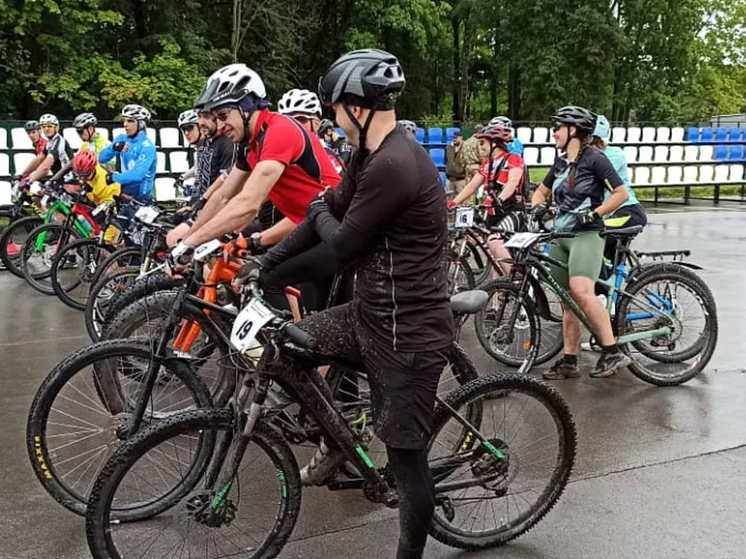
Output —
<point x="471" y="155"/>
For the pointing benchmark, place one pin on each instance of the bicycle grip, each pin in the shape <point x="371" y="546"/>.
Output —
<point x="300" y="337"/>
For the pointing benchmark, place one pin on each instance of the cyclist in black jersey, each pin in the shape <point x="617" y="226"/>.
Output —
<point x="334" y="141"/>
<point x="388" y="218"/>
<point x="57" y="152"/>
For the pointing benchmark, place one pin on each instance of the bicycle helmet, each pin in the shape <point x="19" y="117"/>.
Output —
<point x="187" y="117"/>
<point x="369" y="78"/>
<point x="235" y="84"/>
<point x="496" y="132"/>
<point x="504" y="120"/>
<point x="582" y="119"/>
<point x="85" y="162"/>
<point x="136" y="112"/>
<point x="603" y="128"/>
<point x="84" y="120"/>
<point x="32" y="125"/>
<point x="49" y="119"/>
<point x="299" y="101"/>
<point x="409" y="126"/>
<point x="325" y="125"/>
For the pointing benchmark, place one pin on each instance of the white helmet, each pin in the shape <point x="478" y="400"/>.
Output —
<point x="188" y="117"/>
<point x="501" y="120"/>
<point x="85" y="119"/>
<point x="299" y="101"/>
<point x="136" y="112"/>
<point x="49" y="119"/>
<point x="230" y="85"/>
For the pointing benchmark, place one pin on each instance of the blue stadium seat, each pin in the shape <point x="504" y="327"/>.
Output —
<point x="706" y="136"/>
<point x="443" y="179"/>
<point x="692" y="134"/>
<point x="435" y="136"/>
<point x="736" y="153"/>
<point x="720" y="134"/>
<point x="735" y="134"/>
<point x="449" y="134"/>
<point x="721" y="153"/>
<point x="340" y="132"/>
<point x="420" y="135"/>
<point x="438" y="155"/>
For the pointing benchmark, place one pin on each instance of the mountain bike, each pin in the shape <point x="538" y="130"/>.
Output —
<point x="44" y="242"/>
<point x="11" y="238"/>
<point x="653" y="315"/>
<point x="224" y="482"/>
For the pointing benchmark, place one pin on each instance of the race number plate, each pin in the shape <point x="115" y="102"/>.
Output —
<point x="464" y="218"/>
<point x="45" y="200"/>
<point x="202" y="252"/>
<point x="522" y="240"/>
<point x="247" y="325"/>
<point x="147" y="214"/>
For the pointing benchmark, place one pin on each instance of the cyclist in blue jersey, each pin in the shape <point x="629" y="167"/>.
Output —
<point x="515" y="146"/>
<point x="137" y="155"/>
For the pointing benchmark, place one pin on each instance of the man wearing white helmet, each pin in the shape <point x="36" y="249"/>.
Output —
<point x="305" y="107"/>
<point x="85" y="126"/>
<point x="57" y="153"/>
<point x="281" y="161"/>
<point x="137" y="154"/>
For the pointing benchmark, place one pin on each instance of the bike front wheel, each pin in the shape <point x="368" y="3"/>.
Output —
<point x="39" y="251"/>
<point x="72" y="283"/>
<point x="258" y="508"/>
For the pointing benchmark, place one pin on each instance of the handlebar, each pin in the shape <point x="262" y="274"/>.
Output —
<point x="298" y="336"/>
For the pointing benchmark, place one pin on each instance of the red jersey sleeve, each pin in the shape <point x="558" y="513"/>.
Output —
<point x="515" y="161"/>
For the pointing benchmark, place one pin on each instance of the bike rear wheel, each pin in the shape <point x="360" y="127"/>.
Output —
<point x="675" y="298"/>
<point x="259" y="507"/>
<point x="483" y="499"/>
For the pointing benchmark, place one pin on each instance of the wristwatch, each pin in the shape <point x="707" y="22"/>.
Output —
<point x="256" y="240"/>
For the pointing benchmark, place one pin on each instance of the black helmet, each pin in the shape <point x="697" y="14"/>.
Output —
<point x="32" y="125"/>
<point x="582" y="119"/>
<point x="369" y="77"/>
<point x="325" y="125"/>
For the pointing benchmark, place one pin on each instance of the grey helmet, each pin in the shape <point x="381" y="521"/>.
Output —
<point x="502" y="120"/>
<point x="572" y="115"/>
<point x="32" y="125"/>
<point x="370" y="77"/>
<point x="84" y="120"/>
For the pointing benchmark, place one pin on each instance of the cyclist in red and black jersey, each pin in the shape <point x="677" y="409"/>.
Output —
<point x="281" y="161"/>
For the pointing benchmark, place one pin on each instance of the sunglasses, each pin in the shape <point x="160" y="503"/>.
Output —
<point x="48" y="127"/>
<point x="189" y="128"/>
<point x="222" y="116"/>
<point x="85" y="176"/>
<point x="558" y="127"/>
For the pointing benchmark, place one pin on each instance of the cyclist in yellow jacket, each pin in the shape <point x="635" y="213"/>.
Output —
<point x="93" y="176"/>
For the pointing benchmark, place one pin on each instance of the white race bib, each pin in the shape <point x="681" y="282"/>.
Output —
<point x="248" y="323"/>
<point x="522" y="240"/>
<point x="464" y="218"/>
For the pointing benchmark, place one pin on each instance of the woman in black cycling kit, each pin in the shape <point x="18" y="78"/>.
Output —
<point x="388" y="218"/>
<point x="577" y="181"/>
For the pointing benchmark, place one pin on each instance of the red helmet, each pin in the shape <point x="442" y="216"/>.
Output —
<point x="497" y="132"/>
<point x="85" y="162"/>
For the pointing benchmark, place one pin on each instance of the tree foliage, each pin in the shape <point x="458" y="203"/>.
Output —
<point x="465" y="60"/>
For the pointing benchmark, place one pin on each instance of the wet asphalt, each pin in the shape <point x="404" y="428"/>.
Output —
<point x="659" y="471"/>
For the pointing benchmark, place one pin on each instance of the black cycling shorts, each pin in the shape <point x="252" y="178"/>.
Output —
<point x="402" y="384"/>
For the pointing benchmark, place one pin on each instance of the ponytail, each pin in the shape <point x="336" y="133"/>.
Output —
<point x="585" y="141"/>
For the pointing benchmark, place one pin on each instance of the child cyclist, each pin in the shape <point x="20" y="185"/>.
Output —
<point x="93" y="177"/>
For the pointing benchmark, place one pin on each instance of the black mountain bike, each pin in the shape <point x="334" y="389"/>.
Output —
<point x="224" y="482"/>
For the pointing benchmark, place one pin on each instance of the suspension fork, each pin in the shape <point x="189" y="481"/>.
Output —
<point x="522" y="291"/>
<point x="158" y="357"/>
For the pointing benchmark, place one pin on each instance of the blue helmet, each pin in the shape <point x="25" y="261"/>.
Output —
<point x="603" y="128"/>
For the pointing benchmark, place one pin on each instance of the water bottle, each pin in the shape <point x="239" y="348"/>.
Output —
<point x="83" y="222"/>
